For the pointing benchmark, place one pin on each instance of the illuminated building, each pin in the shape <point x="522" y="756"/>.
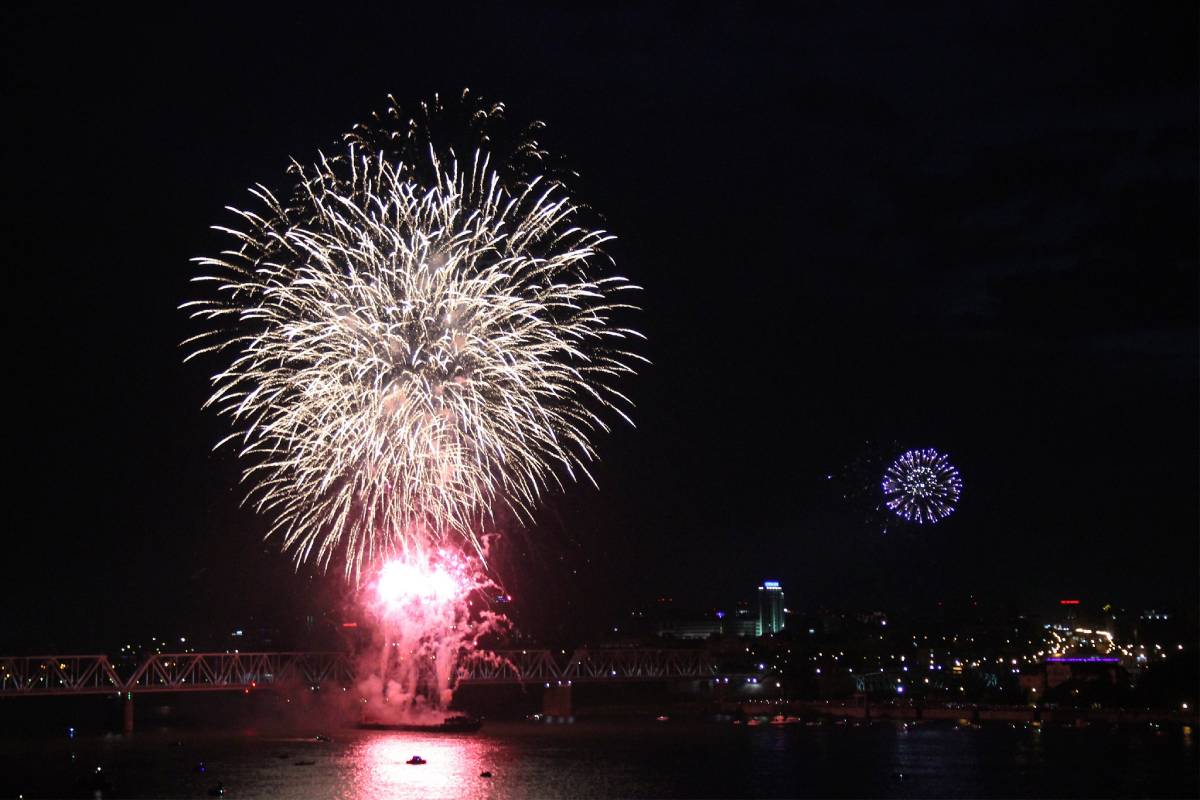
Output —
<point x="770" y="608"/>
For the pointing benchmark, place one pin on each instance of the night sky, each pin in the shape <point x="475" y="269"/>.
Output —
<point x="968" y="226"/>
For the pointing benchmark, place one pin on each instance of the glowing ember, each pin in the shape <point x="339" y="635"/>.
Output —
<point x="403" y="583"/>
<point x="427" y="629"/>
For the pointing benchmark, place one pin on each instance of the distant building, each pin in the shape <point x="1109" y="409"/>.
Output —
<point x="690" y="628"/>
<point x="740" y="626"/>
<point x="1032" y="680"/>
<point x="770" y="608"/>
<point x="704" y="625"/>
<point x="1060" y="669"/>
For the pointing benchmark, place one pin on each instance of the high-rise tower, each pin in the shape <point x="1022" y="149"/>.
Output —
<point x="770" y="608"/>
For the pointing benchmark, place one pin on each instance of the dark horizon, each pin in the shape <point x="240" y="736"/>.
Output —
<point x="967" y="228"/>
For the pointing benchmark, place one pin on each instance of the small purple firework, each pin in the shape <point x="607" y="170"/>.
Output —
<point x="922" y="486"/>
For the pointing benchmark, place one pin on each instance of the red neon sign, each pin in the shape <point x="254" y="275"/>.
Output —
<point x="1068" y="602"/>
<point x="349" y="624"/>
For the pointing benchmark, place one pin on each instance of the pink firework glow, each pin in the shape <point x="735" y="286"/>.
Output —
<point x="429" y="614"/>
<point x="405" y="583"/>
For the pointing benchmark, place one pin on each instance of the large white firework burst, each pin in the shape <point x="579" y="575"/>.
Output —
<point x="408" y="358"/>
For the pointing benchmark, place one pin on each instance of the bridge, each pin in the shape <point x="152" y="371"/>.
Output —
<point x="23" y="676"/>
<point x="886" y="681"/>
<point x="95" y="674"/>
<point x="584" y="665"/>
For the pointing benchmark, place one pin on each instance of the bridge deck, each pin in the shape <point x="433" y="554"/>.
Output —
<point x="48" y="675"/>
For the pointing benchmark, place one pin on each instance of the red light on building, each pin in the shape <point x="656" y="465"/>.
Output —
<point x="349" y="624"/>
<point x="1068" y="602"/>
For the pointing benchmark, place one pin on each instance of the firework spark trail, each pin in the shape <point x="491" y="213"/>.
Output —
<point x="405" y="358"/>
<point x="922" y="486"/>
<point x="457" y="125"/>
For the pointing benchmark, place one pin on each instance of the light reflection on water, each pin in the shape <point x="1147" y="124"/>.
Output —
<point x="377" y="767"/>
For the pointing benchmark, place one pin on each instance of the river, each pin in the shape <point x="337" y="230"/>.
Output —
<point x="612" y="759"/>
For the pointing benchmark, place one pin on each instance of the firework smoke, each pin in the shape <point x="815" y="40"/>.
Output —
<point x="427" y="630"/>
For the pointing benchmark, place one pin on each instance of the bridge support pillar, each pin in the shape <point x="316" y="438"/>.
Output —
<point x="127" y="714"/>
<point x="556" y="700"/>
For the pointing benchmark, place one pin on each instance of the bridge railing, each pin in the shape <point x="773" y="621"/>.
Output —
<point x="184" y="672"/>
<point x="172" y="672"/>
<point x="638" y="664"/>
<point x="511" y="666"/>
<point x="55" y="675"/>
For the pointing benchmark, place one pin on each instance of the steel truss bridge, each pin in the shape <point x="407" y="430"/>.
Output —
<point x="50" y="675"/>
<point x="887" y="680"/>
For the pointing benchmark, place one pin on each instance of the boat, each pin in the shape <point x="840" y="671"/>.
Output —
<point x="416" y="760"/>
<point x="459" y="723"/>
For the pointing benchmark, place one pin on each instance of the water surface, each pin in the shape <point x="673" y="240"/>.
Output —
<point x="619" y="759"/>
